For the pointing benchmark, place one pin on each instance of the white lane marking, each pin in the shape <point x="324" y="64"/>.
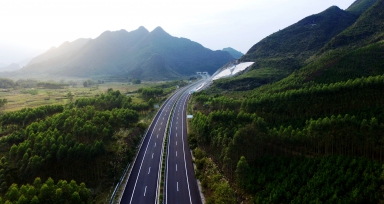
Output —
<point x="149" y="170"/>
<point x="155" y="144"/>
<point x="176" y="167"/>
<point x="177" y="118"/>
<point x="176" y="123"/>
<point x="176" y="153"/>
<point x="157" y="136"/>
<point x="176" y="143"/>
<point x="159" y="129"/>
<point x="141" y="164"/>
<point x="145" y="190"/>
<point x="177" y="186"/>
<point x="161" y="123"/>
<point x="185" y="163"/>
<point x="152" y="155"/>
<point x="176" y="128"/>
<point x="163" y="118"/>
<point x="176" y="134"/>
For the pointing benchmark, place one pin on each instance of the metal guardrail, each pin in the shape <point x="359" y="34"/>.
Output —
<point x="128" y="168"/>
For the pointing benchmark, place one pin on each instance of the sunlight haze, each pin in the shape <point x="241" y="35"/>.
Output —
<point x="40" y="24"/>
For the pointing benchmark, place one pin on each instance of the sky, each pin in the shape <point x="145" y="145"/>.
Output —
<point x="28" y="28"/>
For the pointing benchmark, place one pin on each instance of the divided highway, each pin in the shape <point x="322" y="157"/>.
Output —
<point x="180" y="185"/>
<point x="143" y="181"/>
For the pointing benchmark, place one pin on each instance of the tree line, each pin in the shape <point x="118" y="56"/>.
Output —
<point x="90" y="140"/>
<point x="343" y="120"/>
<point x="47" y="192"/>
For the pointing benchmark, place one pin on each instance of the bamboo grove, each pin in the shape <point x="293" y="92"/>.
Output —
<point x="310" y="129"/>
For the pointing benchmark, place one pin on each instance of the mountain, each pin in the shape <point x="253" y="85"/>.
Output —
<point x="280" y="53"/>
<point x="8" y="68"/>
<point x="366" y="30"/>
<point x="356" y="52"/>
<point x="64" y="48"/>
<point x="138" y="54"/>
<point x="289" y="48"/>
<point x="360" y="6"/>
<point x="235" y="54"/>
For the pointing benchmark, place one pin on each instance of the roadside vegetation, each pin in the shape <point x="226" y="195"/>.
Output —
<point x="83" y="142"/>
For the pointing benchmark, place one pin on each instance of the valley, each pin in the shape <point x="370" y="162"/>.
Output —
<point x="298" y="118"/>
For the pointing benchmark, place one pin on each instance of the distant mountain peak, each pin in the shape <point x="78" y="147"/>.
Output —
<point x="159" y="30"/>
<point x="142" y="28"/>
<point x="235" y="54"/>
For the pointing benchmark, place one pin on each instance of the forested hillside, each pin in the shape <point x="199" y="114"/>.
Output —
<point x="316" y="136"/>
<point x="303" y="43"/>
<point x="89" y="141"/>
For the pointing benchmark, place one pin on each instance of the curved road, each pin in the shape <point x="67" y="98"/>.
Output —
<point x="143" y="181"/>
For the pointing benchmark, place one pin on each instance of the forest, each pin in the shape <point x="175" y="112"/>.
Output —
<point x="89" y="141"/>
<point x="314" y="144"/>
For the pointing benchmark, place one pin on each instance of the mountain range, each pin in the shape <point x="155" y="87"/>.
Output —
<point x="137" y="54"/>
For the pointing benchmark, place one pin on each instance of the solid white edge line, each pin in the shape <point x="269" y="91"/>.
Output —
<point x="145" y="152"/>
<point x="185" y="162"/>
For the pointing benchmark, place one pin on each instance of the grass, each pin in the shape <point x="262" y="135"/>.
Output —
<point x="32" y="98"/>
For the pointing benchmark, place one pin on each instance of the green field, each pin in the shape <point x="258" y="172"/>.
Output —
<point x="35" y="97"/>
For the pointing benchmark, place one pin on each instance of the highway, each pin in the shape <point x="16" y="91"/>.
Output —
<point x="143" y="181"/>
<point x="180" y="183"/>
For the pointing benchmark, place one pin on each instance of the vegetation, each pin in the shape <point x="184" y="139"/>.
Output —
<point x="48" y="192"/>
<point x="315" y="136"/>
<point x="90" y="140"/>
<point x="358" y="7"/>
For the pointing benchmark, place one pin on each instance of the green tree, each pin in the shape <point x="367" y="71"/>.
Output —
<point x="35" y="200"/>
<point x="242" y="172"/>
<point x="70" y="96"/>
<point x="224" y="194"/>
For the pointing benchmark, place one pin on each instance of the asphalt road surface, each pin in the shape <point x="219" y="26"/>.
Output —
<point x="143" y="182"/>
<point x="180" y="185"/>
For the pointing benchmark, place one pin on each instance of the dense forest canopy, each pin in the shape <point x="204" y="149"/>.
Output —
<point x="90" y="141"/>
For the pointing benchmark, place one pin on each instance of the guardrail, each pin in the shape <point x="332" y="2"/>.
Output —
<point x="129" y="167"/>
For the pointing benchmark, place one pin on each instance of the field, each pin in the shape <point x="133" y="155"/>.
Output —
<point x="35" y="97"/>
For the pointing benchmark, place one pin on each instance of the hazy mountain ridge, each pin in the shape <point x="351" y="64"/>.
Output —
<point x="64" y="48"/>
<point x="236" y="54"/>
<point x="133" y="54"/>
<point x="8" y="68"/>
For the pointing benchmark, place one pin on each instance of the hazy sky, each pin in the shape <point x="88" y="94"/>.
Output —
<point x="30" y="25"/>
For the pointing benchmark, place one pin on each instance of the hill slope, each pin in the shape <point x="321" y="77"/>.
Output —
<point x="321" y="120"/>
<point x="289" y="48"/>
<point x="360" y="6"/>
<point x="236" y="54"/>
<point x="139" y="54"/>
<point x="64" y="48"/>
